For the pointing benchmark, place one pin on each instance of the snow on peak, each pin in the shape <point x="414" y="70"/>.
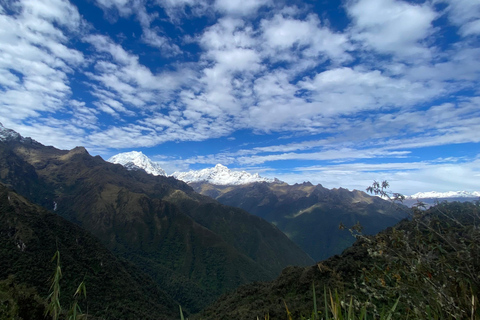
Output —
<point x="220" y="175"/>
<point x="449" y="194"/>
<point x="135" y="160"/>
<point x="8" y="134"/>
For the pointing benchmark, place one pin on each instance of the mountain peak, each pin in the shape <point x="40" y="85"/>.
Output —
<point x="135" y="160"/>
<point x="8" y="134"/>
<point x="220" y="175"/>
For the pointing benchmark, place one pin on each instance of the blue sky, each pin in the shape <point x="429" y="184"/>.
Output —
<point x="333" y="92"/>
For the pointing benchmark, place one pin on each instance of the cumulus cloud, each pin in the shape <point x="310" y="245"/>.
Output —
<point x="287" y="37"/>
<point x="392" y="26"/>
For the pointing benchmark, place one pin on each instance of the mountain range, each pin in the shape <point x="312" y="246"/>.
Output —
<point x="429" y="199"/>
<point x="147" y="242"/>
<point x="190" y="245"/>
<point x="221" y="175"/>
<point x="309" y="215"/>
<point x="445" y="195"/>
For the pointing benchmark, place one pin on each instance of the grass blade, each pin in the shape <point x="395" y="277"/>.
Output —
<point x="181" y="313"/>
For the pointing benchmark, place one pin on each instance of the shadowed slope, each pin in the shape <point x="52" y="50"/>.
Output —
<point x="29" y="236"/>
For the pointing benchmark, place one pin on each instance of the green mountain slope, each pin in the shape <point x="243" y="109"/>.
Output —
<point x="192" y="246"/>
<point x="29" y="237"/>
<point x="430" y="264"/>
<point x="310" y="215"/>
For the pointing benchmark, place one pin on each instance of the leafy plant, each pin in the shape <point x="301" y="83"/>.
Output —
<point x="54" y="308"/>
<point x="431" y="261"/>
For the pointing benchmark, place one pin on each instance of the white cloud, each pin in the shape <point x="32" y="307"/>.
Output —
<point x="59" y="11"/>
<point x="287" y="37"/>
<point x="241" y="7"/>
<point x="122" y="78"/>
<point x="153" y="38"/>
<point x="466" y="15"/>
<point x="150" y="35"/>
<point x="35" y="60"/>
<point x="124" y="7"/>
<point x="392" y="26"/>
<point x="176" y="10"/>
<point x="405" y="177"/>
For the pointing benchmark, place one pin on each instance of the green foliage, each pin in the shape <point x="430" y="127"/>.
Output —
<point x="181" y="313"/>
<point x="338" y="309"/>
<point x="54" y="308"/>
<point x="431" y="261"/>
<point x="18" y="301"/>
<point x="75" y="311"/>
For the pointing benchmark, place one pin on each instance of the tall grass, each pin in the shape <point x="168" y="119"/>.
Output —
<point x="54" y="307"/>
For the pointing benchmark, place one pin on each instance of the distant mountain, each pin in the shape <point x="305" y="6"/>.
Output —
<point x="192" y="246"/>
<point x="449" y="194"/>
<point x="309" y="215"/>
<point x="432" y="197"/>
<point x="136" y="160"/>
<point x="116" y="289"/>
<point x="220" y="175"/>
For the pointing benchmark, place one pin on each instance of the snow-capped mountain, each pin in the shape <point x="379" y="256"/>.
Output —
<point x="220" y="175"/>
<point x="432" y="197"/>
<point x="136" y="160"/>
<point x="442" y="195"/>
<point x="8" y="134"/>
